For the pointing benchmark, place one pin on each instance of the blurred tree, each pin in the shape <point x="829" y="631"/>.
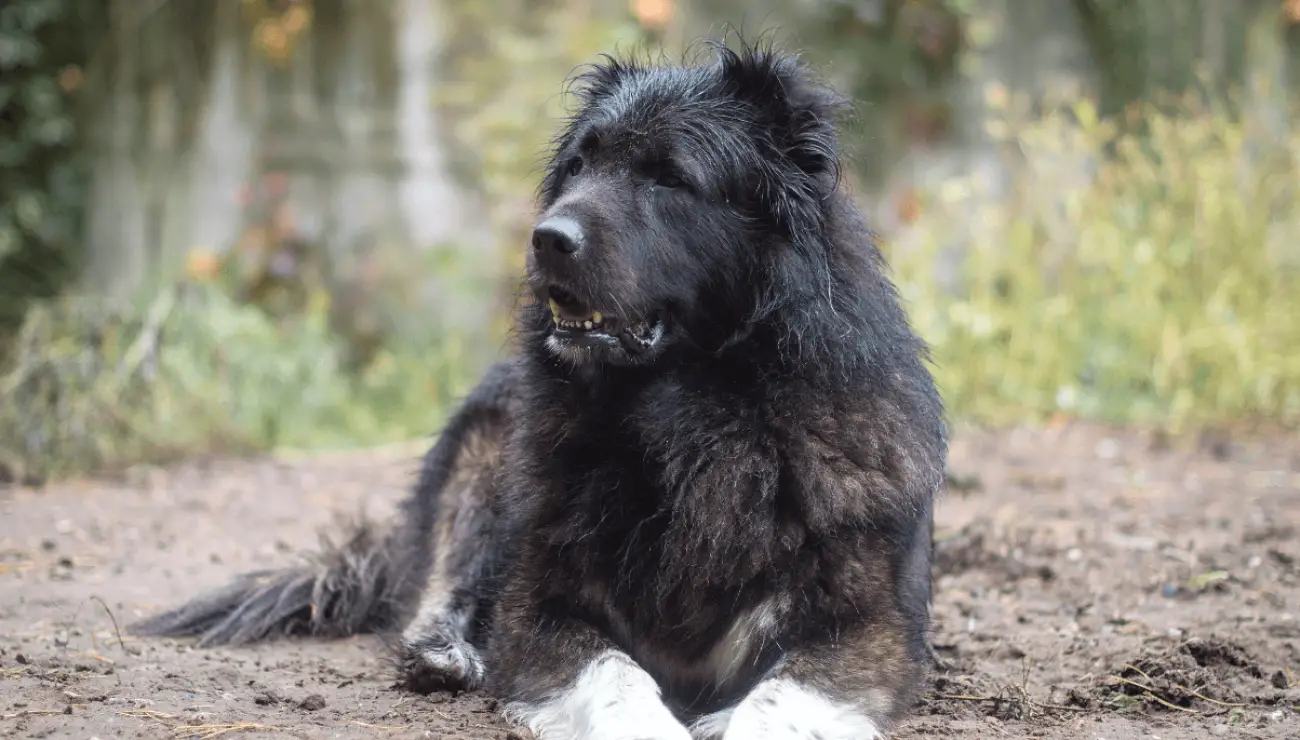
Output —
<point x="503" y="94"/>
<point x="896" y="58"/>
<point x="43" y="47"/>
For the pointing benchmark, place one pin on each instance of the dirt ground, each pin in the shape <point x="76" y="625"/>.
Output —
<point x="1090" y="584"/>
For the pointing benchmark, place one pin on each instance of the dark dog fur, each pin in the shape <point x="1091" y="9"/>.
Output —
<point x="727" y="485"/>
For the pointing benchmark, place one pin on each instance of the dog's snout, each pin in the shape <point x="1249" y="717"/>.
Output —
<point x="558" y="236"/>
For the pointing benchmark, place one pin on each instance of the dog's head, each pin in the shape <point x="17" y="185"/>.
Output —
<point x="668" y="195"/>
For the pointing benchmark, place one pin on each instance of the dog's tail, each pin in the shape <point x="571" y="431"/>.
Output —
<point x="372" y="581"/>
<point x="361" y="586"/>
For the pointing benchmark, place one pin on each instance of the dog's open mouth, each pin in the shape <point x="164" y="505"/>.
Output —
<point x="575" y="321"/>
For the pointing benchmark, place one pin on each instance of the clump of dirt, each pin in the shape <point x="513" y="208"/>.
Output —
<point x="1195" y="674"/>
<point x="977" y="546"/>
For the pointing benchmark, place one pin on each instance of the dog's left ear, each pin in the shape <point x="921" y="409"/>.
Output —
<point x="798" y="115"/>
<point x="801" y="112"/>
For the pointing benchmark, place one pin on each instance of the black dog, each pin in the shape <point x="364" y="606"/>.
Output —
<point x="698" y="503"/>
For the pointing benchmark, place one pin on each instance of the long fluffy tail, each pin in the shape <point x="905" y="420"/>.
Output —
<point x="362" y="586"/>
<point x="372" y="582"/>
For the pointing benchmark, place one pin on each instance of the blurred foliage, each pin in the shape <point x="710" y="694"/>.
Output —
<point x="277" y="25"/>
<point x="95" y="387"/>
<point x="1149" y="279"/>
<point x="42" y="45"/>
<point x="895" y="58"/>
<point x="271" y="342"/>
<point x="899" y="55"/>
<point x="1164" y="45"/>
<point x="1143" y="268"/>
<point x="502" y="90"/>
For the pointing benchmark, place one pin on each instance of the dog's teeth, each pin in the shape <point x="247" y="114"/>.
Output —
<point x="555" y="310"/>
<point x="587" y="325"/>
<point x="596" y="317"/>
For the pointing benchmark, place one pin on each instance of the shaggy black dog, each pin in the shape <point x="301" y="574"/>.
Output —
<point x="698" y="502"/>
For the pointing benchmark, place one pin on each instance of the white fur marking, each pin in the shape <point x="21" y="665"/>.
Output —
<point x="745" y="635"/>
<point x="782" y="709"/>
<point x="612" y="699"/>
<point x="712" y="726"/>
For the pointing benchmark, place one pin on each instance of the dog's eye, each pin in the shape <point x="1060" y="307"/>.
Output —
<point x="669" y="180"/>
<point x="575" y="166"/>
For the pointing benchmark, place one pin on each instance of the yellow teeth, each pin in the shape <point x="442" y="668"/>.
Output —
<point x="589" y="323"/>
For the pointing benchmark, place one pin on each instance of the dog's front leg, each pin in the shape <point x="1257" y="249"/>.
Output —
<point x="562" y="679"/>
<point x="854" y="689"/>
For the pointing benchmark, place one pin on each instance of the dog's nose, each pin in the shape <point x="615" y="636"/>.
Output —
<point x="558" y="235"/>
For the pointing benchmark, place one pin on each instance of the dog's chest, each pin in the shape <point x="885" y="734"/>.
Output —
<point x="674" y="534"/>
<point x="681" y="581"/>
<point x="719" y="645"/>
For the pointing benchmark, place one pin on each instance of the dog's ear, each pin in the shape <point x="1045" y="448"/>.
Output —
<point x="599" y="79"/>
<point x="800" y="112"/>
<point x="797" y="117"/>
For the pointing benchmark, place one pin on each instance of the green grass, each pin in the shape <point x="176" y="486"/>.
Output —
<point x="192" y="371"/>
<point x="1163" y="289"/>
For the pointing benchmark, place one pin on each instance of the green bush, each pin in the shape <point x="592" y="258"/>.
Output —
<point x="1152" y="279"/>
<point x="194" y="371"/>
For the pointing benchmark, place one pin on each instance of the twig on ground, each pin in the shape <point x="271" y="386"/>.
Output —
<point x="476" y="726"/>
<point x="1139" y="671"/>
<point x="33" y="712"/>
<point x="116" y="630"/>
<point x="1189" y="690"/>
<point x="146" y="714"/>
<point x="1203" y="697"/>
<point x="385" y="728"/>
<point x="201" y="732"/>
<point x="204" y="732"/>
<point x="1150" y="693"/>
<point x="999" y="698"/>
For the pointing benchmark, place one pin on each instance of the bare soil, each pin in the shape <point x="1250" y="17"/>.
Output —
<point x="1091" y="583"/>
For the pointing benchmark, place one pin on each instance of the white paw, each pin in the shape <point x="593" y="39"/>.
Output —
<point x="613" y="699"/>
<point x="781" y="709"/>
<point x="633" y="719"/>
